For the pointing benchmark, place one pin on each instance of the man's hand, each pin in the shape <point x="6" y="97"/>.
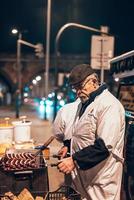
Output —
<point x="63" y="152"/>
<point x="66" y="165"/>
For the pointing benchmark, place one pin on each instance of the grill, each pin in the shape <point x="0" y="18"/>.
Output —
<point x="34" y="179"/>
<point x="63" y="193"/>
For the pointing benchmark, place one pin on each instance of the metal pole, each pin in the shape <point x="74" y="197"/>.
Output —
<point x="68" y="25"/>
<point x="101" y="63"/>
<point x="19" y="84"/>
<point x="46" y="75"/>
<point x="104" y="32"/>
<point x="57" y="53"/>
<point x="56" y="85"/>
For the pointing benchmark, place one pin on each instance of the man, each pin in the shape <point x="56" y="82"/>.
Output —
<point x="97" y="142"/>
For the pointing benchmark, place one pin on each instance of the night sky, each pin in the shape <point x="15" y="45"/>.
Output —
<point x="29" y="16"/>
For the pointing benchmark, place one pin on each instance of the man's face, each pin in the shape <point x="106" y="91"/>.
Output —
<point x="86" y="87"/>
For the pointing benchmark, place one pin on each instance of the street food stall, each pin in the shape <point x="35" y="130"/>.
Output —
<point x="122" y="69"/>
<point x="23" y="165"/>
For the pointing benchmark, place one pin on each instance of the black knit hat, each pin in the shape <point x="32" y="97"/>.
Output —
<point x="79" y="73"/>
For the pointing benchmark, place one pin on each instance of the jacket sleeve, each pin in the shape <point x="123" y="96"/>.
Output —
<point x="91" y="155"/>
<point x="58" y="128"/>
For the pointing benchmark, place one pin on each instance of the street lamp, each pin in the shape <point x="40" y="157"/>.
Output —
<point x="57" y="52"/>
<point x="39" y="52"/>
<point x="47" y="47"/>
<point x="14" y="31"/>
<point x="47" y="60"/>
<point x="19" y="81"/>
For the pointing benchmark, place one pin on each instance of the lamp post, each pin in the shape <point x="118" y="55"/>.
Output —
<point x="19" y="81"/>
<point x="19" y="84"/>
<point x="47" y="47"/>
<point x="39" y="52"/>
<point x="47" y="60"/>
<point x="19" y="61"/>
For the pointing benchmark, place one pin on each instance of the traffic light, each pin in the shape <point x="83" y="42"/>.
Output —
<point x="39" y="50"/>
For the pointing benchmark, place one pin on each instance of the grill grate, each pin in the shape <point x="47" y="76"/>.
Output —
<point x="65" y="193"/>
<point x="22" y="160"/>
<point x="34" y="179"/>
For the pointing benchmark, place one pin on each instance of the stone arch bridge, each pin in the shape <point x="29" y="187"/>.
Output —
<point x="32" y="66"/>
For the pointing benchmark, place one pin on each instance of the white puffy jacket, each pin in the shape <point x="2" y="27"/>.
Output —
<point x="104" y="118"/>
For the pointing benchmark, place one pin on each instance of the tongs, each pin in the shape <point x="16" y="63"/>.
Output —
<point x="44" y="146"/>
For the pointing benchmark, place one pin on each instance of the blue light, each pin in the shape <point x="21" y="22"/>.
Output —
<point x="26" y="89"/>
<point x="46" y="105"/>
<point x="49" y="102"/>
<point x="48" y="109"/>
<point x="62" y="102"/>
<point x="42" y="102"/>
<point x="41" y="109"/>
<point x="50" y="95"/>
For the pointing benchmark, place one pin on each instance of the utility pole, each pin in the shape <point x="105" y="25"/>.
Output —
<point x="47" y="47"/>
<point x="46" y="74"/>
<point x="19" y="84"/>
<point x="104" y="30"/>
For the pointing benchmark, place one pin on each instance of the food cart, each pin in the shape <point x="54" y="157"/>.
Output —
<point x="20" y="167"/>
<point x="24" y="167"/>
